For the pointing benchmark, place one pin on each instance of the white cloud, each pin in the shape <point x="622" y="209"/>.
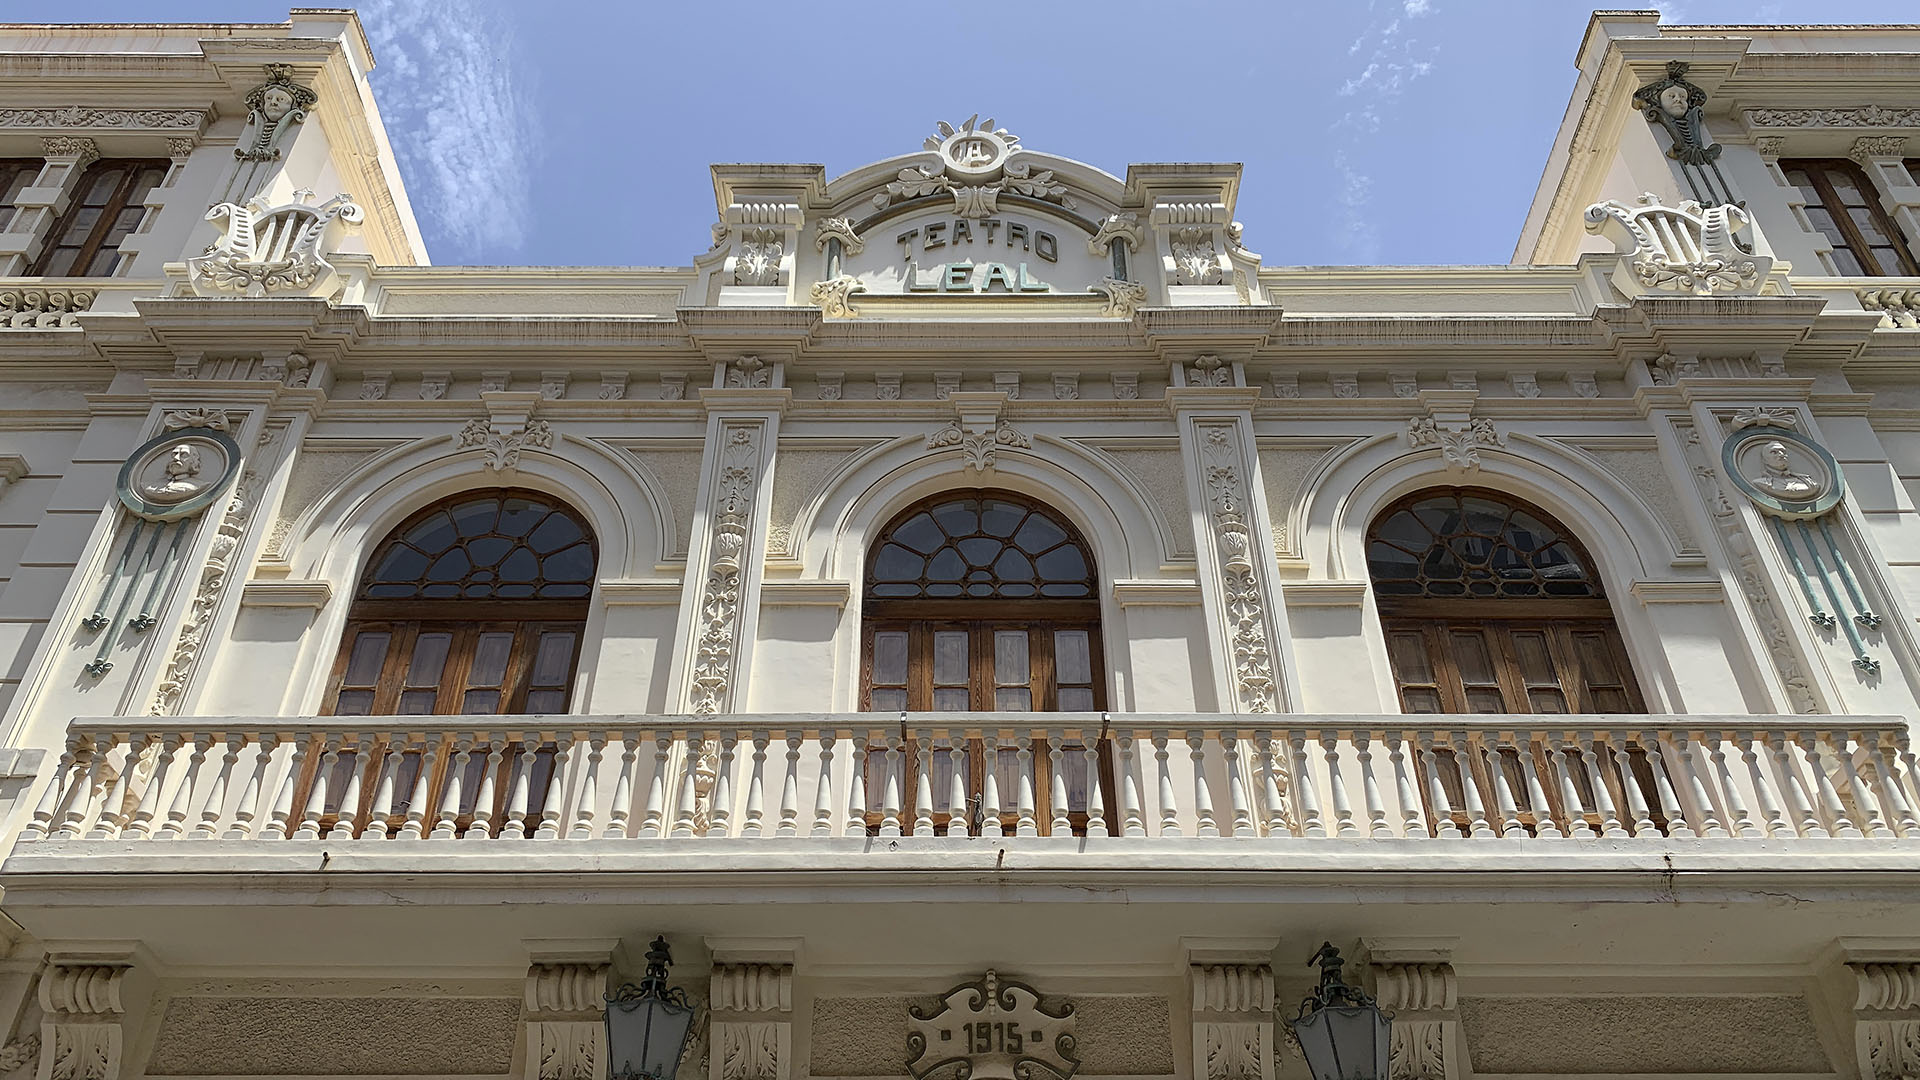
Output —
<point x="1418" y="7"/>
<point x="446" y="79"/>
<point x="1391" y="61"/>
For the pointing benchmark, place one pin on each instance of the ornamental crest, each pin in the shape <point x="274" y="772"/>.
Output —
<point x="975" y="167"/>
<point x="993" y="1030"/>
<point x="268" y="249"/>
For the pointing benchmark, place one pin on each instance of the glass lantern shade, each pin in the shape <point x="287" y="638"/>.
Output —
<point x="645" y="1037"/>
<point x="1344" y="1042"/>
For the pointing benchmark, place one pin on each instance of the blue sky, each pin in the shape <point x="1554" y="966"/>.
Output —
<point x="1372" y="131"/>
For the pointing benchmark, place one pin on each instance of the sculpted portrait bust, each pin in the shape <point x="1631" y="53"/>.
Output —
<point x="1779" y="477"/>
<point x="1785" y="473"/>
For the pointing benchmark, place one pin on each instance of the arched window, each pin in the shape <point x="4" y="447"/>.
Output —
<point x="1491" y="606"/>
<point x="983" y="601"/>
<point x="473" y="605"/>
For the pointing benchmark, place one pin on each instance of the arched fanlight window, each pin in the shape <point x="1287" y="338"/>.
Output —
<point x="983" y="601"/>
<point x="1491" y="606"/>
<point x="473" y="605"/>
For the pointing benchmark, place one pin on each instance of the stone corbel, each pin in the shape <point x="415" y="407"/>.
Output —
<point x="1449" y="424"/>
<point x="750" y="1009"/>
<point x="1190" y="235"/>
<point x="1884" y="978"/>
<point x="1414" y="982"/>
<point x="763" y="234"/>
<point x="978" y="429"/>
<point x="1233" y="1018"/>
<point x="566" y="988"/>
<point x="83" y="999"/>
<point x="508" y="429"/>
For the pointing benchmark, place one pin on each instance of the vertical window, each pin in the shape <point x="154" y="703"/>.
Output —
<point x="1845" y="207"/>
<point x="983" y="601"/>
<point x="474" y="605"/>
<point x="107" y="206"/>
<point x="15" y="176"/>
<point x="1489" y="606"/>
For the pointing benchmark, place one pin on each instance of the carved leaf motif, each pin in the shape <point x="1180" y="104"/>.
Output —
<point x="1233" y="1052"/>
<point x="1416" y="1051"/>
<point x="749" y="1052"/>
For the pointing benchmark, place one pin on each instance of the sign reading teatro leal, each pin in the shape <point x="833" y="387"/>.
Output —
<point x="993" y="1030"/>
<point x="978" y="221"/>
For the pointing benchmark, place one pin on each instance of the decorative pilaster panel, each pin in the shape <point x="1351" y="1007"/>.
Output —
<point x="1232" y="1021"/>
<point x="81" y="1036"/>
<point x="1423" y="1001"/>
<point x="1886" y="1018"/>
<point x="1245" y="617"/>
<point x="565" y="1012"/>
<point x="729" y="546"/>
<point x="751" y="1016"/>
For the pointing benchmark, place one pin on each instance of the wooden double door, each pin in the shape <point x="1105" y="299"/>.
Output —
<point x="1043" y="659"/>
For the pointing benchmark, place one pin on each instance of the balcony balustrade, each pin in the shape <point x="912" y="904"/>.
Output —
<point x="516" y="779"/>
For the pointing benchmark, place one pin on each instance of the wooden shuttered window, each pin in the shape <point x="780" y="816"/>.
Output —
<point x="108" y="203"/>
<point x="1844" y="206"/>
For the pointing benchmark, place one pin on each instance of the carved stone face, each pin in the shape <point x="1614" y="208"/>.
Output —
<point x="1674" y="101"/>
<point x="1777" y="457"/>
<point x="276" y="103"/>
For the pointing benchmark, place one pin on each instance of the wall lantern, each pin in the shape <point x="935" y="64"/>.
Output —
<point x="648" y="1025"/>
<point x="1341" y="1031"/>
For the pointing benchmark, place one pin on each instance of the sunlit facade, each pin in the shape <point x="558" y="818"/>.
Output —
<point x="988" y="619"/>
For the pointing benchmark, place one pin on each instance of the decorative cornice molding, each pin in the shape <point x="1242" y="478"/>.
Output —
<point x="286" y="594"/>
<point x="84" y="117"/>
<point x="1870" y="116"/>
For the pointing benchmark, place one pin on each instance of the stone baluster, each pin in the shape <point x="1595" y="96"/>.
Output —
<point x="620" y="814"/>
<point x="823" y="791"/>
<point x="64" y="781"/>
<point x="755" y="822"/>
<point x="280" y="818"/>
<point x="687" y="810"/>
<point x="141" y="826"/>
<point x="1133" y="820"/>
<point x="856" y="824"/>
<point x="891" y="798"/>
<point x="587" y="809"/>
<point x="1060" y="824"/>
<point x="1865" y="804"/>
<point x="653" y="817"/>
<point x="380" y="809"/>
<point x="790" y="787"/>
<point x="113" y="812"/>
<point x="957" y="785"/>
<point x="1305" y="799"/>
<point x="349" y="810"/>
<point x="1890" y="786"/>
<point x="1742" y="823"/>
<point x="1025" y="821"/>
<point x="446" y="819"/>
<point x="1477" y="823"/>
<point x="1273" y="802"/>
<point x="520" y="786"/>
<point x="1163" y="786"/>
<point x="1643" y="824"/>
<point x="316" y="807"/>
<point x="923" y="786"/>
<point x="1829" y="799"/>
<point x="990" y="787"/>
<point x="1663" y="786"/>
<point x="1096" y="797"/>
<point x="1412" y="822"/>
<point x="1436" y="788"/>
<point x="1343" y="824"/>
<point x="1205" y="824"/>
<point x="1503" y="802"/>
<point x="1597" y="772"/>
<point x="1799" y="799"/>
<point x="415" y="825"/>
<point x="1689" y="774"/>
<point x="1237" y="794"/>
<point x="1911" y="771"/>
<point x="554" y="805"/>
<point x="1544" y="824"/>
<point x="720" y="812"/>
<point x="1557" y="748"/>
<point x="1370" y="785"/>
<point x="175" y="826"/>
<point x="1772" y="821"/>
<point x="495" y="748"/>
<point x="79" y="802"/>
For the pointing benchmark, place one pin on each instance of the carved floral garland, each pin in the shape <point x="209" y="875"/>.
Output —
<point x="1253" y="670"/>
<point x="206" y="598"/>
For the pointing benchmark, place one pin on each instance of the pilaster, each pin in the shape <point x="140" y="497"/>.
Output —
<point x="750" y="1010"/>
<point x="83" y="999"/>
<point x="719" y="614"/>
<point x="1246" y="619"/>
<point x="1414" y="983"/>
<point x="566" y="1031"/>
<point x="36" y="207"/>
<point x="1232" y="985"/>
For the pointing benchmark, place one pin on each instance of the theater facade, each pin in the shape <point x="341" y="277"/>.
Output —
<point x="989" y="615"/>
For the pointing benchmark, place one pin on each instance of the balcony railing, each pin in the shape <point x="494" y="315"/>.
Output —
<point x="518" y="779"/>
